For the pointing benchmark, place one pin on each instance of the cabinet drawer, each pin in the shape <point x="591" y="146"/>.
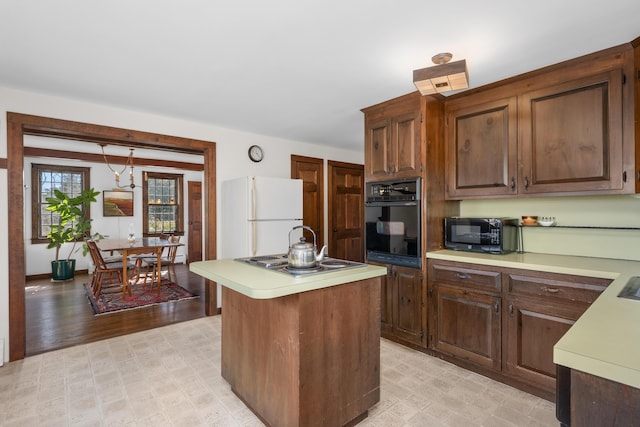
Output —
<point x="473" y="278"/>
<point x="572" y="288"/>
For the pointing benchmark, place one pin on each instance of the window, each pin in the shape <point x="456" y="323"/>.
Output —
<point x="44" y="179"/>
<point x="162" y="193"/>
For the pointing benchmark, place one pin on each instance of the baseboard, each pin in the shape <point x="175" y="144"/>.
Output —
<point x="48" y="275"/>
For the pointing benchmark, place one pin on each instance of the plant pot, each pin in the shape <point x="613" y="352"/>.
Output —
<point x="63" y="270"/>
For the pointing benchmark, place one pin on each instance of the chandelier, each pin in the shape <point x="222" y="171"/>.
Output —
<point x="128" y="164"/>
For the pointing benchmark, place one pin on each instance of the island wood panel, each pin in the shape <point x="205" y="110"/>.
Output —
<point x="597" y="401"/>
<point x="307" y="359"/>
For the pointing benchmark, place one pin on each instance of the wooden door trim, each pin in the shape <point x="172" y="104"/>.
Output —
<point x="19" y="125"/>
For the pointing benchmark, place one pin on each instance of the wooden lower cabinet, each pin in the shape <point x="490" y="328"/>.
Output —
<point x="402" y="308"/>
<point x="540" y="309"/>
<point x="532" y="329"/>
<point x="506" y="321"/>
<point x="468" y="325"/>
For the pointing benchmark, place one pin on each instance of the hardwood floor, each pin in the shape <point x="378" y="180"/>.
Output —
<point x="58" y="314"/>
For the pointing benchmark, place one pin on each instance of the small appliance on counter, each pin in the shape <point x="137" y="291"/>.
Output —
<point x="490" y="235"/>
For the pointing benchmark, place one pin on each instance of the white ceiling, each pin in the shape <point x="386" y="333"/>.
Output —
<point x="294" y="69"/>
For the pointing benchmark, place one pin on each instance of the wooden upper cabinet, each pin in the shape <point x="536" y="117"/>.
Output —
<point x="392" y="139"/>
<point x="571" y="136"/>
<point x="405" y="145"/>
<point x="481" y="148"/>
<point x="567" y="129"/>
<point x="377" y="140"/>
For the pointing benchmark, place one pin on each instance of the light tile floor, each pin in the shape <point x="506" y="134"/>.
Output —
<point x="170" y="376"/>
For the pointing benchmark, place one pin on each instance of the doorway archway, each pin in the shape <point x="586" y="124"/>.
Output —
<point x="19" y="125"/>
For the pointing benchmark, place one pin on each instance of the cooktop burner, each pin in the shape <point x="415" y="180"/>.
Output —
<point x="280" y="264"/>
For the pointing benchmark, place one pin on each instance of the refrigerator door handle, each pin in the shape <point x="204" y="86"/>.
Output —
<point x="254" y="234"/>
<point x="254" y="237"/>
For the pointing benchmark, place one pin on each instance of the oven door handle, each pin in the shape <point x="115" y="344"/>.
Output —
<point x="403" y="203"/>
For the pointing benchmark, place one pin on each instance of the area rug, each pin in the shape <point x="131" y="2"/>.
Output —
<point x="141" y="296"/>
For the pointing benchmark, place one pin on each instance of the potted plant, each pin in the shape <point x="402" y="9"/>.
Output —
<point x="73" y="226"/>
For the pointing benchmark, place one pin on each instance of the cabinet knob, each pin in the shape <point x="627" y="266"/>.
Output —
<point x="550" y="290"/>
<point x="526" y="182"/>
<point x="462" y="276"/>
<point x="513" y="183"/>
<point x="511" y="309"/>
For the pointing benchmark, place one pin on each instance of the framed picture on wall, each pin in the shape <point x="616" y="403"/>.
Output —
<point x="117" y="203"/>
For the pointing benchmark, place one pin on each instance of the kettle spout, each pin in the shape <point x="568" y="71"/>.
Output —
<point x="322" y="253"/>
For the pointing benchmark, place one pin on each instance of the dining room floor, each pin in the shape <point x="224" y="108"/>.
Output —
<point x="170" y="376"/>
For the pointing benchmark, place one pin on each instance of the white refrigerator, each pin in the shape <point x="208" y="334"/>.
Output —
<point x="257" y="215"/>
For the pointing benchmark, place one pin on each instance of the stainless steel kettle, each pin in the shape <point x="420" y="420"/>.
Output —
<point x="304" y="254"/>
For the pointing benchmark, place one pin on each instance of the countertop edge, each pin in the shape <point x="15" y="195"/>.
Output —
<point x="277" y="284"/>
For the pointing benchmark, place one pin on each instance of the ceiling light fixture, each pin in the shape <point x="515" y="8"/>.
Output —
<point x="443" y="77"/>
<point x="128" y="164"/>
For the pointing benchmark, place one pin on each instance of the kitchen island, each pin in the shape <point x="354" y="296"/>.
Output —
<point x="300" y="351"/>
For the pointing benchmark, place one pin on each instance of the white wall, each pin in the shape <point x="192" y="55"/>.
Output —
<point x="231" y="149"/>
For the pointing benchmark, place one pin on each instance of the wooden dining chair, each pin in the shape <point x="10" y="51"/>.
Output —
<point x="104" y="273"/>
<point x="167" y="262"/>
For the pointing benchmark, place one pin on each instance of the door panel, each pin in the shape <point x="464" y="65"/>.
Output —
<point x="194" y="227"/>
<point x="346" y="204"/>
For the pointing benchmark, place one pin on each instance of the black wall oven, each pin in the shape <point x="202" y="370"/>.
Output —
<point x="392" y="221"/>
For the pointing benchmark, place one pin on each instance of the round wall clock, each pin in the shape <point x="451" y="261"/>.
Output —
<point x="255" y="153"/>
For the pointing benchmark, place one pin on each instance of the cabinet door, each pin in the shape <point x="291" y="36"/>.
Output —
<point x="468" y="325"/>
<point x="392" y="138"/>
<point x="481" y="148"/>
<point x="376" y="147"/>
<point x="571" y="136"/>
<point x="405" y="145"/>
<point x="408" y="298"/>
<point x="533" y="328"/>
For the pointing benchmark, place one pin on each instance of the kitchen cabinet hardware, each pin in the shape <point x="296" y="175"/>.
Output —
<point x="513" y="183"/>
<point x="550" y="290"/>
<point x="497" y="307"/>
<point x="526" y="182"/>
<point x="463" y="276"/>
<point x="511" y="309"/>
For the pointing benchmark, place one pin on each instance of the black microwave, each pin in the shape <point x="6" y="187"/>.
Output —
<point x="490" y="235"/>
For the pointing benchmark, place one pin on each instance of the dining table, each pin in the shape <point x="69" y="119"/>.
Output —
<point x="143" y="245"/>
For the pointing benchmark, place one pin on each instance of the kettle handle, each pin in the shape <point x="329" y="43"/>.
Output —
<point x="305" y="227"/>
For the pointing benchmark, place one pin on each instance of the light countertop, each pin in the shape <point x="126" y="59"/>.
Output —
<point x="605" y="341"/>
<point x="259" y="283"/>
